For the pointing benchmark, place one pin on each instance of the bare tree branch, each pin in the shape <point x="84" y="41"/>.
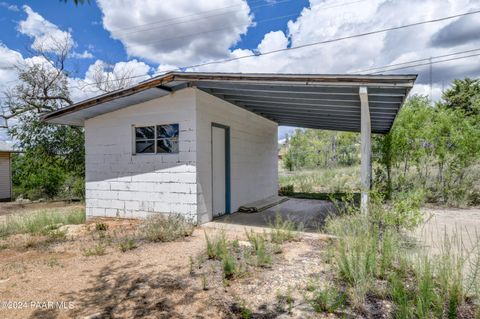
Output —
<point x="43" y="82"/>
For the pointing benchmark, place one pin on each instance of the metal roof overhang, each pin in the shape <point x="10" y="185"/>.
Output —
<point x="330" y="102"/>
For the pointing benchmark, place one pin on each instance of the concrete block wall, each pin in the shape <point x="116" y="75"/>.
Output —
<point x="253" y="144"/>
<point x="120" y="184"/>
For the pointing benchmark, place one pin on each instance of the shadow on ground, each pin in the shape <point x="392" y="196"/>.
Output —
<point x="123" y="292"/>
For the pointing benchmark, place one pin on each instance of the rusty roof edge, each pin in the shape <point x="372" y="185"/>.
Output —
<point x="302" y="78"/>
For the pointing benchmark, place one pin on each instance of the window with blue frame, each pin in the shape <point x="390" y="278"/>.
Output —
<point x="156" y="139"/>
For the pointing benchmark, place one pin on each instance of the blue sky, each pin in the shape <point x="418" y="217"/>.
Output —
<point x="143" y="37"/>
<point x="85" y="23"/>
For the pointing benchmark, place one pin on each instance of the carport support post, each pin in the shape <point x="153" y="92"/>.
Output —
<point x="366" y="149"/>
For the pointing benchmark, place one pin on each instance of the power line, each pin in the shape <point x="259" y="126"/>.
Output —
<point x="400" y="68"/>
<point x="428" y="63"/>
<point x="413" y="61"/>
<point x="304" y="45"/>
<point x="198" y="14"/>
<point x="230" y="27"/>
<point x="234" y="26"/>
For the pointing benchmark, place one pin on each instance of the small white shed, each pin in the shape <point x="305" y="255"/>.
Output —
<point x="5" y="172"/>
<point x="204" y="144"/>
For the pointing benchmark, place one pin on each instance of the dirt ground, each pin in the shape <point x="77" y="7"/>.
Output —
<point x="172" y="280"/>
<point x="461" y="225"/>
<point x="155" y="280"/>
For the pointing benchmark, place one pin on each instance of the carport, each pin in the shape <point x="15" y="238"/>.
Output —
<point x="357" y="103"/>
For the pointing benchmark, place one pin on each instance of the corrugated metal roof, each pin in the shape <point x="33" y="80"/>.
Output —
<point x="304" y="100"/>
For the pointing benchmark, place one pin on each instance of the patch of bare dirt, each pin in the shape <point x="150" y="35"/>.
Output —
<point x="155" y="280"/>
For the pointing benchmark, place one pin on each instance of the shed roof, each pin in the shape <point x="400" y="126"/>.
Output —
<point x="329" y="102"/>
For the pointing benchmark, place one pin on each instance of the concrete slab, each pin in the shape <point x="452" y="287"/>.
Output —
<point x="240" y="229"/>
<point x="310" y="212"/>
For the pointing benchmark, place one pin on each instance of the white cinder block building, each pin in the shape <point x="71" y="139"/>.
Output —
<point x="202" y="145"/>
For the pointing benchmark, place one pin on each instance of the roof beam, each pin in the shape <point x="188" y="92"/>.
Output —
<point x="313" y="106"/>
<point x="332" y="128"/>
<point x="314" y="82"/>
<point x="331" y="121"/>
<point x="299" y="88"/>
<point x="299" y="97"/>
<point x="317" y="110"/>
<point x="294" y="96"/>
<point x="307" y="113"/>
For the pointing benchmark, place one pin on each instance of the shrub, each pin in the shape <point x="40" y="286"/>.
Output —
<point x="229" y="265"/>
<point x="282" y="230"/>
<point x="97" y="250"/>
<point x="218" y="247"/>
<point x="127" y="244"/>
<point x="400" y="297"/>
<point x="285" y="299"/>
<point x="328" y="299"/>
<point x="101" y="226"/>
<point x="260" y="249"/>
<point x="373" y="247"/>
<point x="286" y="190"/>
<point x="426" y="295"/>
<point x="165" y="228"/>
<point x="264" y="257"/>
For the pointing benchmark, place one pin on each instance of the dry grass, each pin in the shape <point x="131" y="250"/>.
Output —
<point x="41" y="222"/>
<point x="332" y="180"/>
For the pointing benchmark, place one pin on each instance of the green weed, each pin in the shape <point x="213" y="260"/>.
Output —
<point x="216" y="247"/>
<point x="328" y="299"/>
<point x="101" y="226"/>
<point x="165" y="228"/>
<point x="126" y="244"/>
<point x="260" y="249"/>
<point x="282" y="230"/>
<point x="229" y="266"/>
<point x="97" y="250"/>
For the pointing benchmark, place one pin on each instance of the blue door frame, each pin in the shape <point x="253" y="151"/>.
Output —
<point x="227" y="165"/>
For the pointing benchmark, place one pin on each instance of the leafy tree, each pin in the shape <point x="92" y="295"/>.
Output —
<point x="311" y="148"/>
<point x="463" y="95"/>
<point x="51" y="153"/>
<point x="431" y="147"/>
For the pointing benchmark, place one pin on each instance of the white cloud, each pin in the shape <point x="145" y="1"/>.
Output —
<point x="153" y="31"/>
<point x="274" y="40"/>
<point x="181" y="32"/>
<point x="46" y="35"/>
<point x="8" y="73"/>
<point x="11" y="7"/>
<point x="324" y="20"/>
<point x="84" y="55"/>
<point x="39" y="29"/>
<point x="109" y="77"/>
